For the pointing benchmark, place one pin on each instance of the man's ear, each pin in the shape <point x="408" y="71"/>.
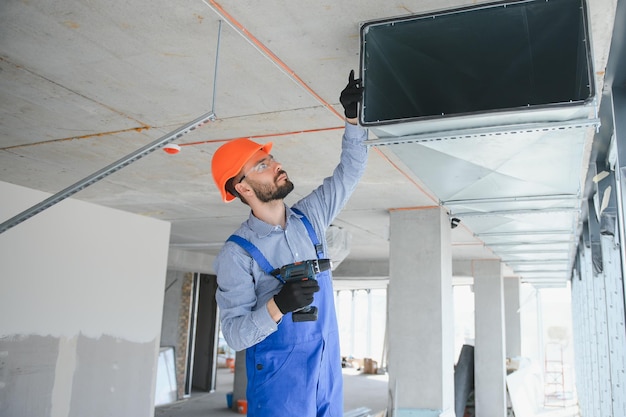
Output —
<point x="242" y="188"/>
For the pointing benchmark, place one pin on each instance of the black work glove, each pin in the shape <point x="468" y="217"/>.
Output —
<point x="296" y="294"/>
<point x="351" y="95"/>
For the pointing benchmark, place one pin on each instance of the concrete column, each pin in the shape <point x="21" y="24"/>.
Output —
<point x="420" y="318"/>
<point x="489" y="350"/>
<point x="512" y="322"/>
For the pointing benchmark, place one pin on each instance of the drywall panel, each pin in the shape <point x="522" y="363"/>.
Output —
<point x="114" y="377"/>
<point x="81" y="299"/>
<point x="27" y="365"/>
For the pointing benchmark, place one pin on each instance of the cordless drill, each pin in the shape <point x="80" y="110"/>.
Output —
<point x="299" y="271"/>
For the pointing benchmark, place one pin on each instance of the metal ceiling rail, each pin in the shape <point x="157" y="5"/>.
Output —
<point x="552" y="197"/>
<point x="546" y="282"/>
<point x="106" y="171"/>
<point x="531" y="252"/>
<point x="547" y="242"/>
<point x="537" y="262"/>
<point x="502" y="130"/>
<point x="543" y="272"/>
<point x="541" y="262"/>
<point x="550" y="275"/>
<point x="542" y="278"/>
<point x="550" y="210"/>
<point x="524" y="233"/>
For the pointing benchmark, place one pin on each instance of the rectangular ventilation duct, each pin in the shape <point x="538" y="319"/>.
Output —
<point x="508" y="64"/>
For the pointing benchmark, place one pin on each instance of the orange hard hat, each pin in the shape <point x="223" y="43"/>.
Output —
<point x="230" y="158"/>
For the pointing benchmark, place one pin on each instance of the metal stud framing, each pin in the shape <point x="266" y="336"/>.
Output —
<point x="598" y="300"/>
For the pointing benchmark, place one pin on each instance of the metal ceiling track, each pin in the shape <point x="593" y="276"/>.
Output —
<point x="532" y="252"/>
<point x="525" y="233"/>
<point x="546" y="242"/>
<point x="104" y="172"/>
<point x="502" y="130"/>
<point x="119" y="164"/>
<point x="538" y="262"/>
<point x="551" y="210"/>
<point x="521" y="199"/>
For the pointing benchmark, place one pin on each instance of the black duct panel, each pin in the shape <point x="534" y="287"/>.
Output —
<point x="505" y="56"/>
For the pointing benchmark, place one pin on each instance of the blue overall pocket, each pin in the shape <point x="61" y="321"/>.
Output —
<point x="285" y="379"/>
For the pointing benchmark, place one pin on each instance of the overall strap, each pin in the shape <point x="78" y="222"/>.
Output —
<point x="319" y="249"/>
<point x="256" y="255"/>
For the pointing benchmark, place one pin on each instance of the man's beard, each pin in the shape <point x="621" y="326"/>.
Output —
<point x="267" y="193"/>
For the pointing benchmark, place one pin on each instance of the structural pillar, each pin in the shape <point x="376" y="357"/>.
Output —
<point x="512" y="322"/>
<point x="420" y="316"/>
<point x="489" y="349"/>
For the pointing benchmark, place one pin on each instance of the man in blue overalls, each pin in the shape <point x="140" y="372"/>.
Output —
<point x="293" y="367"/>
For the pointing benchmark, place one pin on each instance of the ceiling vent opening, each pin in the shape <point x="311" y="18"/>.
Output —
<point x="497" y="64"/>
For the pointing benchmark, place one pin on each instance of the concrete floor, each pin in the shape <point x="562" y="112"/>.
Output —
<point x="360" y="390"/>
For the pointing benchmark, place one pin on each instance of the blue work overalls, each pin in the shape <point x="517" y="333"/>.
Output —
<point x="296" y="371"/>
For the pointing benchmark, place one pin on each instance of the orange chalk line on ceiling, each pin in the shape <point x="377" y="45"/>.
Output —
<point x="89" y="136"/>
<point x="269" y="135"/>
<point x="219" y="10"/>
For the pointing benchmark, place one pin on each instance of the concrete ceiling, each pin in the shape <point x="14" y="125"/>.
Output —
<point x="85" y="82"/>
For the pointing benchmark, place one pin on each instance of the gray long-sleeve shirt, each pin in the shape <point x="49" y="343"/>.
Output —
<point x="243" y="287"/>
